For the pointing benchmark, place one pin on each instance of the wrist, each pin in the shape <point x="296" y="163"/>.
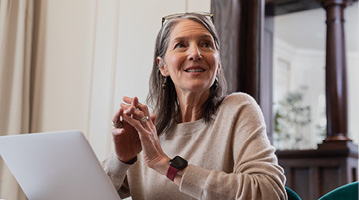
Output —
<point x="131" y="161"/>
<point x="178" y="178"/>
<point x="176" y="167"/>
<point x="162" y="166"/>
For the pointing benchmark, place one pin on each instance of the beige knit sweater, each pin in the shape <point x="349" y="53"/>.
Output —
<point x="229" y="158"/>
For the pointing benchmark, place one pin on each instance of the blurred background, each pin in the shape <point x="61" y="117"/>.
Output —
<point x="67" y="64"/>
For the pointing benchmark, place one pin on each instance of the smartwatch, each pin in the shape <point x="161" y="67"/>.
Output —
<point x="176" y="164"/>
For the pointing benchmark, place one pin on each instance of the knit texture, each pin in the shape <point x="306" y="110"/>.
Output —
<point x="229" y="158"/>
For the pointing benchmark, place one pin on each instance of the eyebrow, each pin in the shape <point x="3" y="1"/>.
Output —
<point x="202" y="36"/>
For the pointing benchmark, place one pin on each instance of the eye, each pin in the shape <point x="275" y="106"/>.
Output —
<point x="179" y="45"/>
<point x="207" y="44"/>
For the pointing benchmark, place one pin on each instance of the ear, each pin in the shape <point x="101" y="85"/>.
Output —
<point x="162" y="66"/>
<point x="219" y="67"/>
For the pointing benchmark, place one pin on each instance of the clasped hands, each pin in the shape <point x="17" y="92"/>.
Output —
<point x="134" y="131"/>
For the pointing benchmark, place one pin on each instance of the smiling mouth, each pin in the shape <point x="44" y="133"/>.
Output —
<point x="194" y="70"/>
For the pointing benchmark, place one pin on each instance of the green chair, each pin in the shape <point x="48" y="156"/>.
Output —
<point x="345" y="192"/>
<point x="292" y="195"/>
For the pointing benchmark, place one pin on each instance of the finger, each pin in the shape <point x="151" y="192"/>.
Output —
<point x="136" y="124"/>
<point x="125" y="106"/>
<point x="141" y="117"/>
<point x="141" y="114"/>
<point x="116" y="132"/>
<point x="146" y="122"/>
<point x="135" y="102"/>
<point x="118" y="115"/>
<point x="130" y="110"/>
<point x="136" y="114"/>
<point x="133" y="112"/>
<point x="128" y="100"/>
<point x="144" y="109"/>
<point x="143" y="129"/>
<point x="146" y="136"/>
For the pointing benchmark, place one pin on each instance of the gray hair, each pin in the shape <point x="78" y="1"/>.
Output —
<point x="162" y="95"/>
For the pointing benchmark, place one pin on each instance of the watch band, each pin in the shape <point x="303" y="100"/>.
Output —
<point x="176" y="164"/>
<point x="171" y="173"/>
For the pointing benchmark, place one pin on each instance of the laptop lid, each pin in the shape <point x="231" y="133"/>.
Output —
<point x="57" y="166"/>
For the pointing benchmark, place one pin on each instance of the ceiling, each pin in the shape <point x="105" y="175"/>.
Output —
<point x="307" y="29"/>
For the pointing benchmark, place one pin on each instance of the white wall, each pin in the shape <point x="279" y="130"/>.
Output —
<point x="63" y="65"/>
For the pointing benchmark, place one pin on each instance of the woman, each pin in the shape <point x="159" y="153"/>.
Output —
<point x="211" y="146"/>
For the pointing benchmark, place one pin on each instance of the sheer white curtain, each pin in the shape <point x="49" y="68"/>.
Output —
<point x="16" y="25"/>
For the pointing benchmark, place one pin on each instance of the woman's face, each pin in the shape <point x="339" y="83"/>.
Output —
<point x="191" y="59"/>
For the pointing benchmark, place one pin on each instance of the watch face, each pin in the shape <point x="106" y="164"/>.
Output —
<point x="178" y="163"/>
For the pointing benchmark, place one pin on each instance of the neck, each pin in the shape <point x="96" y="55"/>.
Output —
<point x="191" y="105"/>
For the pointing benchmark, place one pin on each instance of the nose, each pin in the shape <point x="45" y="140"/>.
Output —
<point x="194" y="53"/>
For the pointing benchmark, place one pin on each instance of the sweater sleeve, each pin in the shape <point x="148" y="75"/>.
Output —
<point x="256" y="173"/>
<point x="116" y="171"/>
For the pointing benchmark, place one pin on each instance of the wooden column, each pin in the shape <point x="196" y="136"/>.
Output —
<point x="239" y="25"/>
<point x="250" y="47"/>
<point x="336" y="78"/>
<point x="246" y="58"/>
<point x="266" y="69"/>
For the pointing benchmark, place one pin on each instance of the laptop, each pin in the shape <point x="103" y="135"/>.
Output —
<point x="57" y="166"/>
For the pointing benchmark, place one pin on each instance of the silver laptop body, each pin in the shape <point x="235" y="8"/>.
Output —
<point x="56" y="166"/>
